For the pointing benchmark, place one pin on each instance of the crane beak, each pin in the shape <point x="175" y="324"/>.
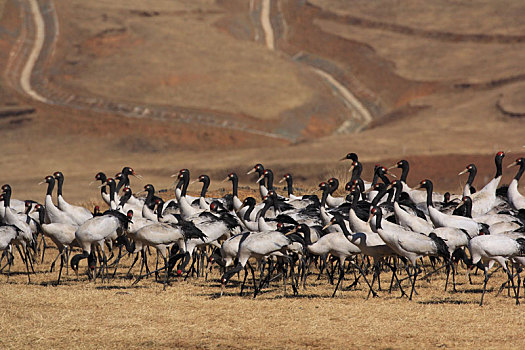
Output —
<point x="91" y="183"/>
<point x="389" y="173"/>
<point x="328" y="225"/>
<point x="351" y="168"/>
<point x="389" y="187"/>
<point x="370" y="189"/>
<point x="294" y="230"/>
<point x="370" y="218"/>
<point x="251" y="171"/>
<point x="139" y="192"/>
<point x="226" y="179"/>
<point x="41" y="182"/>
<point x="511" y="165"/>
<point x="240" y="208"/>
<point x="344" y="158"/>
<point x="103" y="184"/>
<point x="191" y="183"/>
<point x="282" y="180"/>
<point x="260" y="179"/>
<point x="174" y="175"/>
<point x="392" y="167"/>
<point x="460" y="204"/>
<point x="463" y="172"/>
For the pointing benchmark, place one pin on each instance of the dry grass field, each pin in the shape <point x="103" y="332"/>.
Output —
<point x="189" y="314"/>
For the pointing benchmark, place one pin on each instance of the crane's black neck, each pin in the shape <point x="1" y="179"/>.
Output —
<point x="289" y="185"/>
<point x="326" y="191"/>
<point x="248" y="212"/>
<point x="269" y="179"/>
<point x="7" y="197"/>
<point x="356" y="172"/>
<point x="398" y="190"/>
<point x="379" y="217"/>
<point x="123" y="182"/>
<point x="267" y="205"/>
<point x="124" y="199"/>
<point x="235" y="185"/>
<point x="355" y="198"/>
<point x="498" y="160"/>
<point x="430" y="188"/>
<point x="41" y="215"/>
<point x="50" y="186"/>
<point x="306" y="233"/>
<point x="60" y="183"/>
<point x="380" y="194"/>
<point x="385" y="179"/>
<point x="112" y="190"/>
<point x="405" y="167"/>
<point x="520" y="171"/>
<point x="341" y="223"/>
<point x="391" y="192"/>
<point x="334" y="185"/>
<point x="185" y="183"/>
<point x="103" y="178"/>
<point x="205" y="184"/>
<point x="468" y="207"/>
<point x="150" y="190"/>
<point x="160" y="208"/>
<point x="473" y="170"/>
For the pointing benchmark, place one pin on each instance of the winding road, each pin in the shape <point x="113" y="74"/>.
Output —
<point x="357" y="110"/>
<point x="35" y="46"/>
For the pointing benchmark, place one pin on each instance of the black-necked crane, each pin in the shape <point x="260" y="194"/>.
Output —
<point x="93" y="233"/>
<point x="16" y="204"/>
<point x="337" y="244"/>
<point x="485" y="199"/>
<point x="516" y="199"/>
<point x="235" y="191"/>
<point x="409" y="244"/>
<point x="258" y="245"/>
<point x="259" y="169"/>
<point x="8" y="234"/>
<point x="289" y="187"/>
<point x="100" y="176"/>
<point x="63" y="235"/>
<point x="495" y="248"/>
<point x="78" y="214"/>
<point x="472" y="170"/>
<point x="24" y="236"/>
<point x="163" y="236"/>
<point x="205" y="179"/>
<point x="124" y="179"/>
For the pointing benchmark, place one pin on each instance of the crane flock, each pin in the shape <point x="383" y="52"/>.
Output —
<point x="289" y="236"/>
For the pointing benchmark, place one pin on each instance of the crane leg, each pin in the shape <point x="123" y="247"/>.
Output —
<point x="166" y="273"/>
<point x="341" y="276"/>
<point x="61" y="266"/>
<point x="448" y="274"/>
<point x="133" y="264"/>
<point x="243" y="281"/>
<point x="413" y="282"/>
<point x="255" y="291"/>
<point x="484" y="287"/>
<point x="518" y="286"/>
<point x="511" y="278"/>
<point x="27" y="266"/>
